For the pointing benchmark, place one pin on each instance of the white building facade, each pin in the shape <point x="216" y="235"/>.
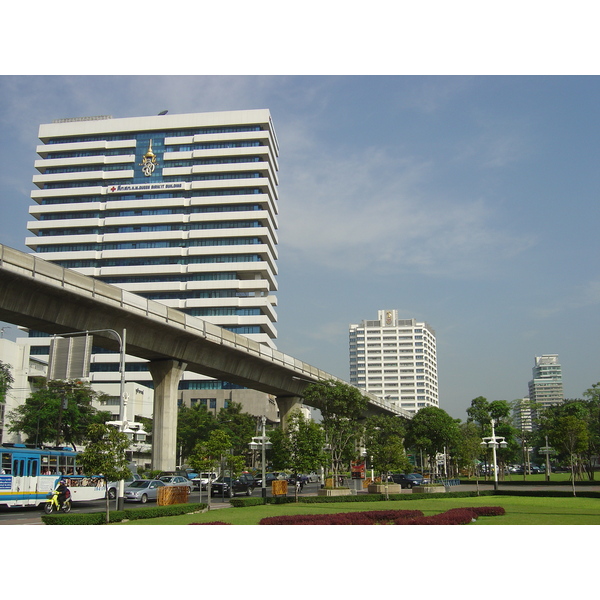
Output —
<point x="523" y="414"/>
<point x="396" y="360"/>
<point x="546" y="386"/>
<point x="181" y="209"/>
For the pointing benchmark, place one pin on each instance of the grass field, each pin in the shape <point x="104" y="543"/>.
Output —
<point x="521" y="510"/>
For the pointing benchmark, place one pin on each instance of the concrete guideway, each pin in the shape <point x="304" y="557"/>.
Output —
<point x="40" y="295"/>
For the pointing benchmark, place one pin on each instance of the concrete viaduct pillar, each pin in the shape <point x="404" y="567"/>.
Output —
<point x="166" y="375"/>
<point x="286" y="404"/>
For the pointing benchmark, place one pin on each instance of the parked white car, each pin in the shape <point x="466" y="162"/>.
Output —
<point x="202" y="480"/>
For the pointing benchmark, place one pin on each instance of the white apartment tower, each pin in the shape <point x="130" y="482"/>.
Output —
<point x="523" y="415"/>
<point x="396" y="360"/>
<point x="178" y="208"/>
<point x="546" y="387"/>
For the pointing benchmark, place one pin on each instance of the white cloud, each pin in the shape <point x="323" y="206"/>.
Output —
<point x="373" y="210"/>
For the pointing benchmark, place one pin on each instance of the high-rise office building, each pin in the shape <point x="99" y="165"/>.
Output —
<point x="546" y="387"/>
<point x="396" y="360"/>
<point x="181" y="209"/>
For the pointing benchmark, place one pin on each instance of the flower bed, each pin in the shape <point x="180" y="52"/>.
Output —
<point x="454" y="516"/>
<point x="370" y="517"/>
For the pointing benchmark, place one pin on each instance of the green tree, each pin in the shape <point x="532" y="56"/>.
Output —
<point x="193" y="425"/>
<point x="299" y="445"/>
<point x="342" y="406"/>
<point x="585" y="412"/>
<point x="59" y="412"/>
<point x="279" y="453"/>
<point x="6" y="381"/>
<point x="105" y="454"/>
<point x="384" y="442"/>
<point x="479" y="413"/>
<point x="239" y="426"/>
<point x="208" y="455"/>
<point x="468" y="449"/>
<point x="570" y="434"/>
<point x="592" y="399"/>
<point x="433" y="431"/>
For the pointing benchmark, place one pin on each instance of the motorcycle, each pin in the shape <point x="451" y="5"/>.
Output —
<point x="53" y="506"/>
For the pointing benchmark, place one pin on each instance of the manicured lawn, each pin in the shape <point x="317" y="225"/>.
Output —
<point x="520" y="510"/>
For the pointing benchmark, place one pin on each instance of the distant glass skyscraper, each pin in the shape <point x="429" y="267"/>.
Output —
<point x="395" y="359"/>
<point x="546" y="387"/>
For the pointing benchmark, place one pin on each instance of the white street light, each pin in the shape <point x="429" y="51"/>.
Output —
<point x="121" y="423"/>
<point x="262" y="442"/>
<point x="494" y="442"/>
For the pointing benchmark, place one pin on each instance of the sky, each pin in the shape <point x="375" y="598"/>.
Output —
<point x="468" y="202"/>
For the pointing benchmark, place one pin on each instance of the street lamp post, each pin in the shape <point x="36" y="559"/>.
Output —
<point x="494" y="442"/>
<point x="263" y="443"/>
<point x="121" y="423"/>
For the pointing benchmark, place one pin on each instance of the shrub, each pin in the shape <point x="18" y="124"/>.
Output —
<point x="149" y="512"/>
<point x="212" y="523"/>
<point x="241" y="502"/>
<point x="116" y="516"/>
<point x="98" y="518"/>
<point x="488" y="511"/>
<point x="351" y="518"/>
<point x="454" y="516"/>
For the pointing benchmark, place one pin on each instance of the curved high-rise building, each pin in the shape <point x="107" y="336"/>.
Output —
<point x="546" y="386"/>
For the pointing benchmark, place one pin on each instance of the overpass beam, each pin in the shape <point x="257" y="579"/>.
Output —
<point x="287" y="404"/>
<point x="166" y="375"/>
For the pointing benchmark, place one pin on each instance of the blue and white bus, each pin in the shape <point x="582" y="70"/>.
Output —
<point x="28" y="474"/>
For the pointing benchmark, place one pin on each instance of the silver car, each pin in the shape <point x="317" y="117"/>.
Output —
<point x="177" y="480"/>
<point x="113" y="486"/>
<point x="143" y="490"/>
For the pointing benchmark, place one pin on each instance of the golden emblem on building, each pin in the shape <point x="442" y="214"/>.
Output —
<point x="149" y="162"/>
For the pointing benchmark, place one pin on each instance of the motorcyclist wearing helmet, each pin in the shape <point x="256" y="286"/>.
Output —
<point x="63" y="492"/>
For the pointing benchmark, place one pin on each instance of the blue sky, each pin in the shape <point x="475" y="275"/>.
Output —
<point x="469" y="202"/>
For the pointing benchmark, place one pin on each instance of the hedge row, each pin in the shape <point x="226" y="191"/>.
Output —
<point x="454" y="516"/>
<point x="116" y="516"/>
<point x="548" y="493"/>
<point x="242" y="502"/>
